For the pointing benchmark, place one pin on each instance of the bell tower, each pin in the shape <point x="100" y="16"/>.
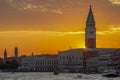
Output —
<point x="16" y="52"/>
<point x="5" y="55"/>
<point x="90" y="31"/>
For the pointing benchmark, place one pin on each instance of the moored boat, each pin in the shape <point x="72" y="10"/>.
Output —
<point x="56" y="72"/>
<point x="110" y="72"/>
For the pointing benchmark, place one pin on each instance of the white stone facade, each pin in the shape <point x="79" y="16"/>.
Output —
<point x="92" y="64"/>
<point x="103" y="60"/>
<point x="39" y="63"/>
<point x="111" y="57"/>
<point x="70" y="60"/>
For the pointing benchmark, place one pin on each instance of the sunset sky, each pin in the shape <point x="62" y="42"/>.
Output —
<point x="49" y="26"/>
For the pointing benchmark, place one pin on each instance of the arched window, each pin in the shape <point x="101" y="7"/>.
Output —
<point x="80" y="58"/>
<point x="63" y="57"/>
<point x="76" y="58"/>
<point x="72" y="57"/>
<point x="60" y="57"/>
<point x="91" y="32"/>
<point x="91" y="25"/>
<point x="67" y="57"/>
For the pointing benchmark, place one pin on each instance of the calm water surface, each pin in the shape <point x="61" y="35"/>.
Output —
<point x="50" y="76"/>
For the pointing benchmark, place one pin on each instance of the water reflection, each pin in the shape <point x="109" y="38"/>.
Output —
<point x="50" y="76"/>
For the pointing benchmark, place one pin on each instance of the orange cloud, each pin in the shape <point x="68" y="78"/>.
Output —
<point x="117" y="2"/>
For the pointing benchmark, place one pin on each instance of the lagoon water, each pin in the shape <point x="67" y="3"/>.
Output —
<point x="50" y="76"/>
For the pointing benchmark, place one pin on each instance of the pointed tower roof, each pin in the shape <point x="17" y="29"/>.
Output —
<point x="90" y="17"/>
<point x="5" y="53"/>
<point x="15" y="46"/>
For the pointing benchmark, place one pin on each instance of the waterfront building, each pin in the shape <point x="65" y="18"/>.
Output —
<point x="109" y="58"/>
<point x="71" y="60"/>
<point x="44" y="63"/>
<point x="92" y="65"/>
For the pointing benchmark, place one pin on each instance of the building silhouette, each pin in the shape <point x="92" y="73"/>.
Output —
<point x="90" y="31"/>
<point x="16" y="52"/>
<point x="5" y="55"/>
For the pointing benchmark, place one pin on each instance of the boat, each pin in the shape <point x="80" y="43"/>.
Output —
<point x="66" y="71"/>
<point x="56" y="72"/>
<point x="79" y="76"/>
<point x="110" y="72"/>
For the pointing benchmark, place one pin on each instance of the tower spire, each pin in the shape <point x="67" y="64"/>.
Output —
<point x="90" y="6"/>
<point x="90" y="18"/>
<point x="16" y="52"/>
<point x="5" y="54"/>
